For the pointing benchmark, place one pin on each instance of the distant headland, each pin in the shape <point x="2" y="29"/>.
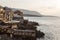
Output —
<point x="30" y="13"/>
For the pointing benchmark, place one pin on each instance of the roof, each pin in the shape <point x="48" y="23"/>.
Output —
<point x="25" y="30"/>
<point x="4" y="26"/>
<point x="13" y="21"/>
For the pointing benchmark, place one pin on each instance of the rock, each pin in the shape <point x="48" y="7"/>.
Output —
<point x="40" y="34"/>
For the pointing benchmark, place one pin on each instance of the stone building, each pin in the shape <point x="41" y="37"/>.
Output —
<point x="2" y="13"/>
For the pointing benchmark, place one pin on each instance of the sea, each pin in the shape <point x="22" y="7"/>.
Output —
<point x="49" y="25"/>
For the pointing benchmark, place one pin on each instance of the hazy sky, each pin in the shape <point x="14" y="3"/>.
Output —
<point x="46" y="7"/>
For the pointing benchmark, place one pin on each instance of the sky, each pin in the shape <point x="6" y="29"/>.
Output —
<point x="45" y="7"/>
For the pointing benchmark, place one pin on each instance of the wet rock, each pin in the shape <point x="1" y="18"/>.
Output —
<point x="40" y="34"/>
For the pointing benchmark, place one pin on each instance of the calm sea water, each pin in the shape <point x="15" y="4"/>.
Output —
<point x="49" y="25"/>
